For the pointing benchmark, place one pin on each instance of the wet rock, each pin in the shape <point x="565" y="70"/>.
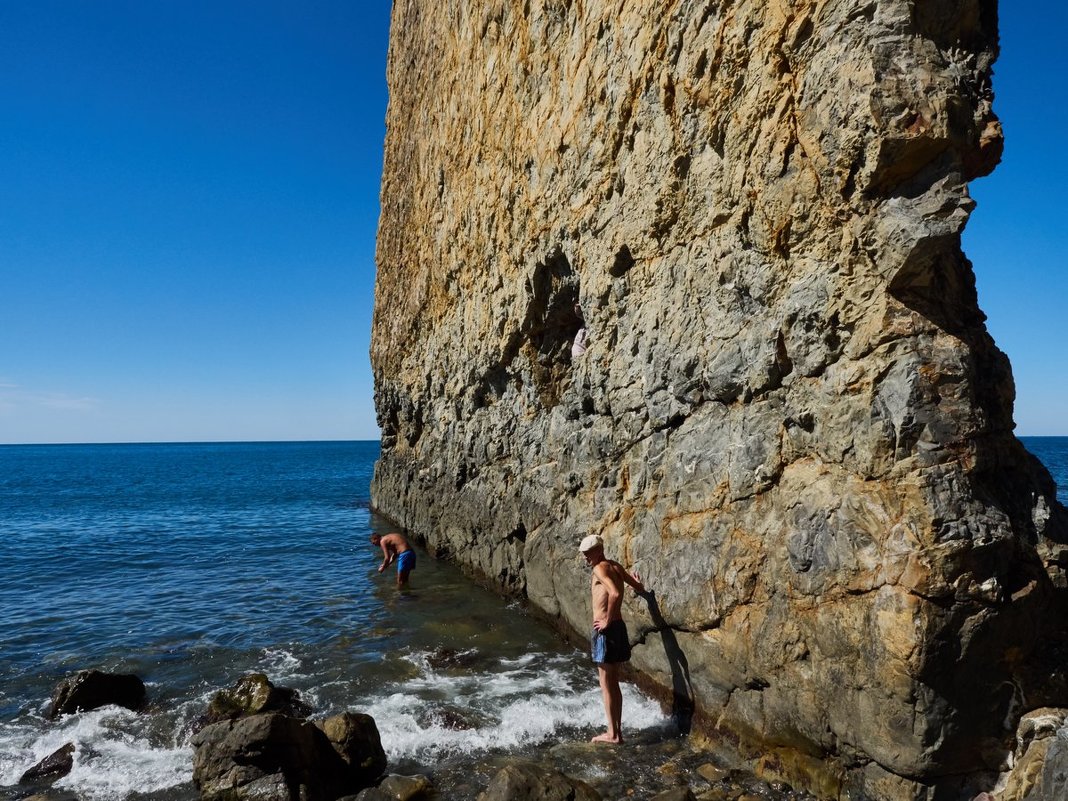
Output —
<point x="396" y="788"/>
<point x="92" y="689"/>
<point x="531" y="782"/>
<point x="452" y="718"/>
<point x="442" y="658"/>
<point x="675" y="794"/>
<point x="54" y="766"/>
<point x="711" y="773"/>
<point x="265" y="757"/>
<point x="52" y="795"/>
<point x="253" y="694"/>
<point x="354" y="736"/>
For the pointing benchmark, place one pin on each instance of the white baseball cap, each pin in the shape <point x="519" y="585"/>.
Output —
<point x="591" y="542"/>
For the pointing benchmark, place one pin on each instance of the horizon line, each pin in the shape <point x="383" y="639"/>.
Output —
<point x="190" y="442"/>
<point x="290" y="441"/>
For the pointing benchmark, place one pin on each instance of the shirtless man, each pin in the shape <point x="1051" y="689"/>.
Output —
<point x="395" y="549"/>
<point x="609" y="641"/>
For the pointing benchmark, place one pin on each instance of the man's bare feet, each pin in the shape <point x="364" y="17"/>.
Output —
<point x="606" y="738"/>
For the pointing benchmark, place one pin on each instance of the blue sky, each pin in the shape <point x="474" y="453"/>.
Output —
<point x="189" y="196"/>
<point x="1017" y="237"/>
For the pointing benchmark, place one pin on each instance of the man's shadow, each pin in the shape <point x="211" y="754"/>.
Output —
<point x="682" y="702"/>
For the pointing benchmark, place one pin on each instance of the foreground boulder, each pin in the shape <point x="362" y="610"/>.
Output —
<point x="92" y="689"/>
<point x="523" y="781"/>
<point x="254" y="694"/>
<point x="276" y="757"/>
<point x="355" y="738"/>
<point x="54" y="766"/>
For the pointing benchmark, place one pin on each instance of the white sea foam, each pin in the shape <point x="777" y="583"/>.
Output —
<point x="439" y="713"/>
<point x="118" y="768"/>
<point x="522" y="661"/>
<point x="113" y="756"/>
<point x="533" y="702"/>
<point x="281" y="665"/>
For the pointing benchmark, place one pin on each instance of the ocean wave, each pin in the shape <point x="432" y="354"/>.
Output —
<point x="439" y="714"/>
<point x="116" y="755"/>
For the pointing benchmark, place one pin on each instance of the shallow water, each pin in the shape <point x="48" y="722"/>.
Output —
<point x="190" y="565"/>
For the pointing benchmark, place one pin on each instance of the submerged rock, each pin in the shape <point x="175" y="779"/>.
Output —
<point x="92" y="689"/>
<point x="790" y="418"/>
<point x="442" y="658"/>
<point x="452" y="717"/>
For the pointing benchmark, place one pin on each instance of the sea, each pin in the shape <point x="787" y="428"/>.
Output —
<point x="190" y="565"/>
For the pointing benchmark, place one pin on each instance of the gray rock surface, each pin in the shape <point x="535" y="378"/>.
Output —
<point x="275" y="757"/>
<point x="270" y="756"/>
<point x="790" y="419"/>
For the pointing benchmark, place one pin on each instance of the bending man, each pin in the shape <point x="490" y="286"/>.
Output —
<point x="610" y="643"/>
<point x="395" y="549"/>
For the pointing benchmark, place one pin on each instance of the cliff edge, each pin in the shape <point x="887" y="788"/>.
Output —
<point x="790" y="419"/>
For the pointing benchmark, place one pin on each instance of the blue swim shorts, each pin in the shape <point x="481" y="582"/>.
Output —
<point x="406" y="561"/>
<point x="611" y="644"/>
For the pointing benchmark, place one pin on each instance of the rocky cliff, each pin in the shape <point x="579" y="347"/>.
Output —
<point x="790" y="420"/>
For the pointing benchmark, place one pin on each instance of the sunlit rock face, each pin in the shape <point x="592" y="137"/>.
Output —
<point x="790" y="420"/>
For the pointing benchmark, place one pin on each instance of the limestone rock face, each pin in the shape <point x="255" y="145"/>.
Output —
<point x="790" y="419"/>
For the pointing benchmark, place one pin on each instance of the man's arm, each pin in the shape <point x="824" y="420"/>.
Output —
<point x="633" y="580"/>
<point x="388" y="554"/>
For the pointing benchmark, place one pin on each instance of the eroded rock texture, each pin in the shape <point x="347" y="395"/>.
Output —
<point x="790" y="420"/>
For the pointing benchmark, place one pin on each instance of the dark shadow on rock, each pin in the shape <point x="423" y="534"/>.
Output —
<point x="682" y="699"/>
